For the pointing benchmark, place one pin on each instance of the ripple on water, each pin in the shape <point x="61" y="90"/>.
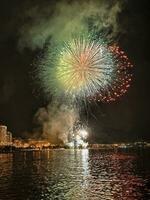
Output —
<point x="74" y="175"/>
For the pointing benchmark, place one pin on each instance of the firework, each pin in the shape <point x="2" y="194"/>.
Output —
<point x="121" y="79"/>
<point x="78" y="136"/>
<point x="85" y="68"/>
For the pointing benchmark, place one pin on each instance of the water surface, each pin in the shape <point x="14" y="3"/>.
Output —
<point x="75" y="175"/>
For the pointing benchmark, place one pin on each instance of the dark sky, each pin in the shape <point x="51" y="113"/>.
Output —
<point x="125" y="120"/>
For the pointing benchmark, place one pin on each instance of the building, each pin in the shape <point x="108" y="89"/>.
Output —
<point x="9" y="138"/>
<point x="38" y="143"/>
<point x="31" y="143"/>
<point x="5" y="136"/>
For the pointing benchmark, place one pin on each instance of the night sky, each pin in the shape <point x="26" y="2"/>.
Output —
<point x="125" y="120"/>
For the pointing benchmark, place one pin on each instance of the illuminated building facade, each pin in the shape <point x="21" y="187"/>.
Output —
<point x="5" y="136"/>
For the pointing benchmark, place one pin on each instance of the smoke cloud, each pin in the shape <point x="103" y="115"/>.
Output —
<point x="63" y="19"/>
<point x="55" y="122"/>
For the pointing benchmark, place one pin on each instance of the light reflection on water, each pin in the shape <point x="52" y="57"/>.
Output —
<point x="74" y="175"/>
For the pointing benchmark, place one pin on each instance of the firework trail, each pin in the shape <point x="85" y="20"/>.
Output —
<point x="86" y="69"/>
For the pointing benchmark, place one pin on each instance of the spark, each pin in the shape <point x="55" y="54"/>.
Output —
<point x="86" y="69"/>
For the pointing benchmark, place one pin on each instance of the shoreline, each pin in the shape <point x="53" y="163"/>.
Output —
<point x="89" y="148"/>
